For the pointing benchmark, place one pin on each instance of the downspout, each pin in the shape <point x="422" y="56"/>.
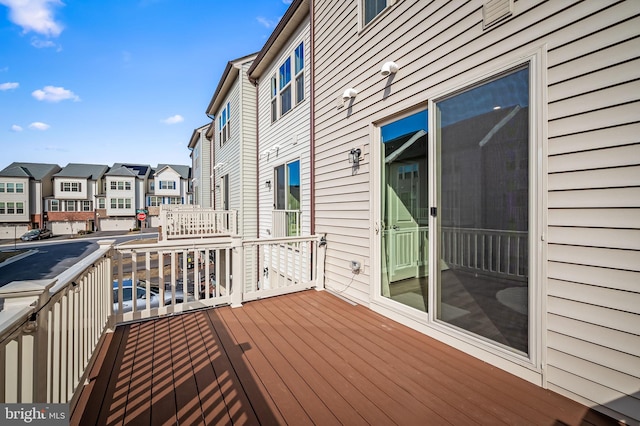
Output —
<point x="254" y="81"/>
<point x="312" y="122"/>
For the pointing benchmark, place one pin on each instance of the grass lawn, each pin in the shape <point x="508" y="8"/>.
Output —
<point x="4" y="255"/>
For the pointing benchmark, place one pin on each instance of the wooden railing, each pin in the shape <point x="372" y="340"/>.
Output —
<point x="492" y="252"/>
<point x="285" y="223"/>
<point x="49" y="329"/>
<point x="194" y="222"/>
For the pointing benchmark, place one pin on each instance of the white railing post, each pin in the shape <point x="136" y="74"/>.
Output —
<point x="237" y="272"/>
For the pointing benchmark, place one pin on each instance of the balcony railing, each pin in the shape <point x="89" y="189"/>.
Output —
<point x="190" y="222"/>
<point x="49" y="330"/>
<point x="285" y="223"/>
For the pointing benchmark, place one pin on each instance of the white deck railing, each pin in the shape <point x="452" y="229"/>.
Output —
<point x="181" y="223"/>
<point x="285" y="223"/>
<point x="49" y="329"/>
<point x="493" y="252"/>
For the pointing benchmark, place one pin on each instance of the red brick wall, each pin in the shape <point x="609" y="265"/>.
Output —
<point x="64" y="216"/>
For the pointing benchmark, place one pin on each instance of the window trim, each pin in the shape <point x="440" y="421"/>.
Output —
<point x="287" y="86"/>
<point x="299" y="74"/>
<point x="362" y="25"/>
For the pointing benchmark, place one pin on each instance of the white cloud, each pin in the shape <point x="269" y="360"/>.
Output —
<point x="268" y="23"/>
<point x="9" y="86"/>
<point x="43" y="44"/>
<point x="54" y="94"/>
<point x="37" y="125"/>
<point x="16" y="128"/>
<point x="35" y="15"/>
<point x="174" y="119"/>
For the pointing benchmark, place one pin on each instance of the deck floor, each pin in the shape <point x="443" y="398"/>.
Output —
<point x="304" y="358"/>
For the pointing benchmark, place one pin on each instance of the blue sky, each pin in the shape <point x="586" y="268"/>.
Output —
<point x="109" y="81"/>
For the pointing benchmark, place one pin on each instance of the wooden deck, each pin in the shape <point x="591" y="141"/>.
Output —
<point x="304" y="358"/>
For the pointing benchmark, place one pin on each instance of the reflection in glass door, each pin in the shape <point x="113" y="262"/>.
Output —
<point x="482" y="137"/>
<point x="404" y="209"/>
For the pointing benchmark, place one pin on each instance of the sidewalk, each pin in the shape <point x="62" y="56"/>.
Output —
<point x="96" y="234"/>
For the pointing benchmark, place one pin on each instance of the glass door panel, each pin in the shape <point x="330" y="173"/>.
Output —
<point x="404" y="209"/>
<point x="482" y="137"/>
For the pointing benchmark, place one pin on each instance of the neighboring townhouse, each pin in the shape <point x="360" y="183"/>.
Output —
<point x="281" y="71"/>
<point x="23" y="187"/>
<point x="125" y="190"/>
<point x="72" y="206"/>
<point x="201" y="158"/>
<point x="168" y="184"/>
<point x="477" y="176"/>
<point x="234" y="138"/>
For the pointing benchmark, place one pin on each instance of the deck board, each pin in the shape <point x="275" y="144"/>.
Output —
<point x="304" y="358"/>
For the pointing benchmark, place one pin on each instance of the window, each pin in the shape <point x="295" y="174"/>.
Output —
<point x="167" y="184"/>
<point x="287" y="198"/>
<point x="121" y="203"/>
<point x="299" y="68"/>
<point x="86" y="206"/>
<point x="2" y="208"/>
<point x="224" y="124"/>
<point x="274" y="99"/>
<point x="19" y="188"/>
<point x="11" y="209"/>
<point x="120" y="185"/>
<point x="101" y="203"/>
<point x="175" y="200"/>
<point x="372" y="8"/>
<point x="10" y="187"/>
<point x="70" y="206"/>
<point x="152" y="185"/>
<point x="19" y="208"/>
<point x="54" y="205"/>
<point x="284" y="76"/>
<point x="1" y="187"/>
<point x="70" y="186"/>
<point x="154" y="201"/>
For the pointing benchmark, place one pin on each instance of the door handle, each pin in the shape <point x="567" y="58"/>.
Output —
<point x="395" y="227"/>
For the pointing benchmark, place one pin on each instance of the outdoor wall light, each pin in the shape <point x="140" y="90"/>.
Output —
<point x="354" y="155"/>
<point x="349" y="93"/>
<point x="267" y="184"/>
<point x="389" y="67"/>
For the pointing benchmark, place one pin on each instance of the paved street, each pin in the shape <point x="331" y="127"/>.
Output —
<point x="52" y="257"/>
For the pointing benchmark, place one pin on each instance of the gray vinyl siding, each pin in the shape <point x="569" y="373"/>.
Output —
<point x="590" y="259"/>
<point x="247" y="112"/>
<point x="238" y="154"/>
<point x="290" y="132"/>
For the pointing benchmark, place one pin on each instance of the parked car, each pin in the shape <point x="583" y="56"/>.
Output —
<point x="141" y="297"/>
<point x="36" y="234"/>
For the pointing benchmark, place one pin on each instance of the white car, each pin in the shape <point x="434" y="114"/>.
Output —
<point x="141" y="297"/>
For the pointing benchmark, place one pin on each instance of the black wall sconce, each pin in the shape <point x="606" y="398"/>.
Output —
<point x="354" y="155"/>
<point x="267" y="184"/>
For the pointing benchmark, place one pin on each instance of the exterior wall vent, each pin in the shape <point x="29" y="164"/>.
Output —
<point x="495" y="11"/>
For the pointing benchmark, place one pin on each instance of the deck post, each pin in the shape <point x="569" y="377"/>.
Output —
<point x="237" y="272"/>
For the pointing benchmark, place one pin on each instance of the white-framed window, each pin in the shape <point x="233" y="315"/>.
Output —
<point x="19" y="188"/>
<point x="274" y="98"/>
<point x="54" y="205"/>
<point x="299" y="72"/>
<point x="287" y="192"/>
<point x="10" y="187"/>
<point x="120" y="203"/>
<point x="224" y="125"/>
<point x="86" y="206"/>
<point x="154" y="201"/>
<point x="284" y="79"/>
<point x="2" y="187"/>
<point x="372" y="8"/>
<point x="167" y="184"/>
<point x="101" y="203"/>
<point x="11" y="208"/>
<point x="70" y="206"/>
<point x="175" y="200"/>
<point x="152" y="185"/>
<point x="70" y="186"/>
<point x="120" y="185"/>
<point x="19" y="208"/>
<point x="3" y="209"/>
